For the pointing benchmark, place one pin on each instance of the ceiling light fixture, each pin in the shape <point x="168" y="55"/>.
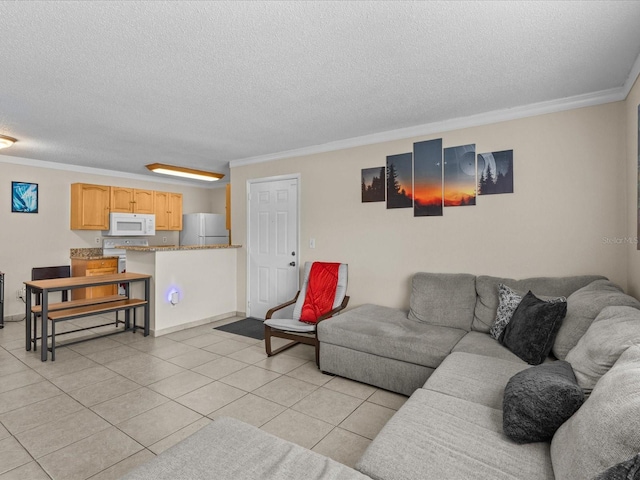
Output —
<point x="184" y="172"/>
<point x="6" y="141"/>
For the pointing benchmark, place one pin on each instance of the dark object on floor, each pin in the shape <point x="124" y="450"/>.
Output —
<point x="247" y="327"/>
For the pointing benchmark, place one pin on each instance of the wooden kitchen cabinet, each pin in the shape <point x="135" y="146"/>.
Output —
<point x="90" y="206"/>
<point x="132" y="200"/>
<point x="168" y="210"/>
<point x="87" y="268"/>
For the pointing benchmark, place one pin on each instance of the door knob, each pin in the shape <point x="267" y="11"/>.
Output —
<point x="292" y="264"/>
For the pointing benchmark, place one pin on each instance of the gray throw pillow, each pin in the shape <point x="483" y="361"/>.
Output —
<point x="533" y="328"/>
<point x="629" y="470"/>
<point x="509" y="300"/>
<point x="538" y="400"/>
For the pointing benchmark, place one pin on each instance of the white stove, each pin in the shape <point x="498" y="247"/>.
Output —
<point x="112" y="247"/>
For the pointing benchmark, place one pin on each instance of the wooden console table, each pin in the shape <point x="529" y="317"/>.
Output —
<point x="61" y="312"/>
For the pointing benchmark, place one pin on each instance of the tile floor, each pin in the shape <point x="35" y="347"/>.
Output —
<point x="109" y="404"/>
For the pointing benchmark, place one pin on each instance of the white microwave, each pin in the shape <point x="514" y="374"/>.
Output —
<point x="131" y="224"/>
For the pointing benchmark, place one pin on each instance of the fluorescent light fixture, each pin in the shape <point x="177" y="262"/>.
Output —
<point x="184" y="172"/>
<point x="6" y="141"/>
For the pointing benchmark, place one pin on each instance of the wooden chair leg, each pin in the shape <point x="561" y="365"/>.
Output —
<point x="267" y="340"/>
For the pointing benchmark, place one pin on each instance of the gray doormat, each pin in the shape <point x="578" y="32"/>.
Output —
<point x="247" y="327"/>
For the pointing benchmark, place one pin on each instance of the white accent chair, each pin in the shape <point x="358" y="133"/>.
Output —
<point x="295" y="330"/>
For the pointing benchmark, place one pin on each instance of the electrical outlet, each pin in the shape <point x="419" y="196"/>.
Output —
<point x="97" y="240"/>
<point x="21" y="293"/>
<point x="164" y="239"/>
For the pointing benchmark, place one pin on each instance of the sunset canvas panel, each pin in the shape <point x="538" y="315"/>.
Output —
<point x="460" y="176"/>
<point x="373" y="184"/>
<point x="427" y="172"/>
<point x="400" y="180"/>
<point x="495" y="172"/>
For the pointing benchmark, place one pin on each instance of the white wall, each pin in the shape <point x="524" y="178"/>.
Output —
<point x="631" y="185"/>
<point x="569" y="168"/>
<point x="44" y="239"/>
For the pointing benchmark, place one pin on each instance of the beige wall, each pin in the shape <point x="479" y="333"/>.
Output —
<point x="568" y="166"/>
<point x="632" y="176"/>
<point x="44" y="239"/>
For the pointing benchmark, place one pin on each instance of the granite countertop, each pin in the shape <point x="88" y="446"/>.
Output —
<point x="171" y="248"/>
<point x="89" y="254"/>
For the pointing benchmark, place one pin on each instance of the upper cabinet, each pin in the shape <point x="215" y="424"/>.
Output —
<point x="90" y="206"/>
<point x="132" y="200"/>
<point x="168" y="210"/>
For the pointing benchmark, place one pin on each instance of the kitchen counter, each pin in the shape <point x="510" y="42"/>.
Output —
<point x="190" y="286"/>
<point x="169" y="248"/>
<point x="88" y="254"/>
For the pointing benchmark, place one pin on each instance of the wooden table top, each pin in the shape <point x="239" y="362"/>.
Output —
<point x="73" y="282"/>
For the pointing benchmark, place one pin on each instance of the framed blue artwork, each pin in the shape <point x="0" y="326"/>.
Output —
<point x="24" y="197"/>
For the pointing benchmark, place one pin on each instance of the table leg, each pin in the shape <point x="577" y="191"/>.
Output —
<point x="43" y="318"/>
<point x="27" y="318"/>
<point x="146" y="307"/>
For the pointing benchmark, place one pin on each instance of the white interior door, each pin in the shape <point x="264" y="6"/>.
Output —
<point x="273" y="245"/>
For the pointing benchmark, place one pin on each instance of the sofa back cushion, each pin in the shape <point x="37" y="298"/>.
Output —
<point x="604" y="431"/>
<point x="583" y="306"/>
<point x="487" y="293"/>
<point x="443" y="299"/>
<point x="611" y="333"/>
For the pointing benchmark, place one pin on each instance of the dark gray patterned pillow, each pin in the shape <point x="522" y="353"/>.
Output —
<point x="509" y="301"/>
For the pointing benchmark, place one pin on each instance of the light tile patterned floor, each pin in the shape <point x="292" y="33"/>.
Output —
<point x="113" y="403"/>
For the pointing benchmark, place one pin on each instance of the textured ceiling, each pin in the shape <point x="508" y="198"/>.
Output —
<point x="116" y="85"/>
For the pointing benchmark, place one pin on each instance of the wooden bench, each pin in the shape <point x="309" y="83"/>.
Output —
<point x="58" y="312"/>
<point x="36" y="310"/>
<point x="127" y="305"/>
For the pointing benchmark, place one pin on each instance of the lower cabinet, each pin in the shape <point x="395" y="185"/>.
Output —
<point x="88" y="268"/>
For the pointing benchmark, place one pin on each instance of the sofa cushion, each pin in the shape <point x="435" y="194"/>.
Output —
<point x="475" y="378"/>
<point x="538" y="400"/>
<point x="583" y="306"/>
<point x="487" y="291"/>
<point x="387" y="332"/>
<point x="443" y="299"/>
<point x="629" y="470"/>
<point x="434" y="436"/>
<point x="611" y="333"/>
<point x="605" y="430"/>
<point x="533" y="327"/>
<point x="229" y="449"/>
<point x="482" y="344"/>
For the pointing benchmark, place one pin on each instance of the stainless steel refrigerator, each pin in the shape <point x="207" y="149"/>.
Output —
<point x="204" y="229"/>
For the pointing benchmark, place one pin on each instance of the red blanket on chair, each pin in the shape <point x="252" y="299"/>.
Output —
<point x="321" y="291"/>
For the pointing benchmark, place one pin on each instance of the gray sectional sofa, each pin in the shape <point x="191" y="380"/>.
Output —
<point x="440" y="353"/>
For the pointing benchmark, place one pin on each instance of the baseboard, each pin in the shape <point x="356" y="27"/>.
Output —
<point x="195" y="323"/>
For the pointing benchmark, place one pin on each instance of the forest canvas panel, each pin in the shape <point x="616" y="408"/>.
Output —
<point x="400" y="181"/>
<point x="460" y="176"/>
<point x="427" y="172"/>
<point x="373" y="184"/>
<point x="495" y="172"/>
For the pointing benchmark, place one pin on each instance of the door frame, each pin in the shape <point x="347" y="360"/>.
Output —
<point x="275" y="178"/>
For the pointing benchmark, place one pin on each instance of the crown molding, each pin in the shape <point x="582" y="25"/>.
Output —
<point x="633" y="76"/>
<point x="30" y="162"/>
<point x="497" y="116"/>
